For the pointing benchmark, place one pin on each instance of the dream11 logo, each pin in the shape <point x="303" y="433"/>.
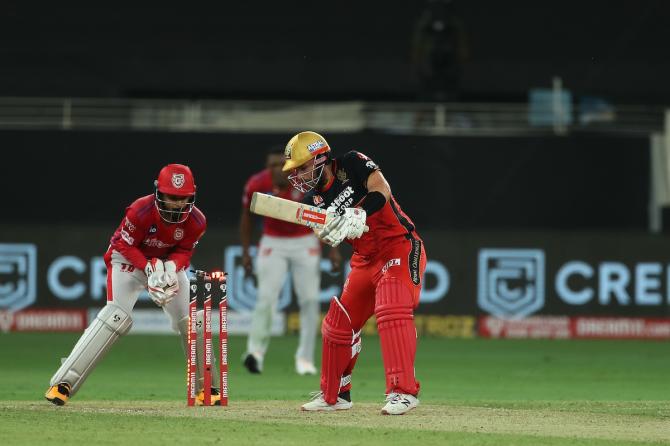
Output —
<point x="242" y="290"/>
<point x="18" y="275"/>
<point x="511" y="282"/>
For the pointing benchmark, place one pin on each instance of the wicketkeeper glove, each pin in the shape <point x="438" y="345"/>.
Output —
<point x="170" y="278"/>
<point x="159" y="297"/>
<point x="155" y="271"/>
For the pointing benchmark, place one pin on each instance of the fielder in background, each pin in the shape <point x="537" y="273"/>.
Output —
<point x="283" y="247"/>
<point x="151" y="249"/>
<point x="386" y="270"/>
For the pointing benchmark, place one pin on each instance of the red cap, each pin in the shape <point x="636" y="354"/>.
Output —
<point x="176" y="179"/>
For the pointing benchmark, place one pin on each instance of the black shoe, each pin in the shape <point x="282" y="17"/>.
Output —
<point x="346" y="396"/>
<point x="251" y="364"/>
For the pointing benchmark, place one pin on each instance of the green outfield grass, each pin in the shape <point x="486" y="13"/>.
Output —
<point x="474" y="392"/>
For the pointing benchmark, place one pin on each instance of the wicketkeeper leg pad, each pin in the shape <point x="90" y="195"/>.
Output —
<point x="110" y="323"/>
<point x="394" y="305"/>
<point x="338" y="347"/>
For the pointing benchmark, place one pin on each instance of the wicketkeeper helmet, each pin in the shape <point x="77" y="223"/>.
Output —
<point x="177" y="180"/>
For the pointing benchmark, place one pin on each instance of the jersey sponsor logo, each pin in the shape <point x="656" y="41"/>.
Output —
<point x="371" y="165"/>
<point x="178" y="180"/>
<point x="389" y="264"/>
<point x="129" y="225"/>
<point x="127" y="237"/>
<point x="153" y="229"/>
<point x="342" y="176"/>
<point x="316" y="146"/>
<point x="155" y="243"/>
<point x="178" y="234"/>
<point x="318" y="199"/>
<point x="342" y="196"/>
<point x="415" y="262"/>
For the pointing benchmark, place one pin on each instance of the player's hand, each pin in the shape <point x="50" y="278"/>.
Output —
<point x="333" y="231"/>
<point x="170" y="277"/>
<point x="355" y="222"/>
<point x="335" y="260"/>
<point x="159" y="297"/>
<point x="155" y="272"/>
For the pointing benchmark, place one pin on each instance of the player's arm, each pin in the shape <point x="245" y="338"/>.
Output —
<point x="127" y="238"/>
<point x="379" y="193"/>
<point x="181" y="254"/>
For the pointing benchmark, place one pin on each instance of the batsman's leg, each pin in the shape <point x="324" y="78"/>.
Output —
<point x="396" y="297"/>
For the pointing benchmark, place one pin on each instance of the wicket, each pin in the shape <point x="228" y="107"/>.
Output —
<point x="205" y="286"/>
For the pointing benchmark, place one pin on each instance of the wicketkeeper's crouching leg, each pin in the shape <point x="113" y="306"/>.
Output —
<point x="111" y="323"/>
<point x="200" y="373"/>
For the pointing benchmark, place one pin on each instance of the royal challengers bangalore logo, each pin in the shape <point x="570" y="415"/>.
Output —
<point x="342" y="175"/>
<point x="178" y="180"/>
<point x="178" y="234"/>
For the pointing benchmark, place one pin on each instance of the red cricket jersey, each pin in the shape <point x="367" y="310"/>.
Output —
<point x="143" y="234"/>
<point x="388" y="226"/>
<point x="262" y="182"/>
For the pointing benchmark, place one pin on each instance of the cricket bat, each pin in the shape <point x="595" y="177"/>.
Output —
<point x="287" y="210"/>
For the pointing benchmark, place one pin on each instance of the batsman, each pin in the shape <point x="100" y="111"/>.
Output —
<point x="150" y="250"/>
<point x="386" y="270"/>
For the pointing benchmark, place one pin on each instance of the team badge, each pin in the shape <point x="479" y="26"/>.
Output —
<point x="153" y="229"/>
<point x="318" y="199"/>
<point x="342" y="175"/>
<point x="287" y="152"/>
<point x="178" y="180"/>
<point x="178" y="234"/>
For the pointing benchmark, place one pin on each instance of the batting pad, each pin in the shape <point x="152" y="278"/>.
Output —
<point x="397" y="335"/>
<point x="338" y="338"/>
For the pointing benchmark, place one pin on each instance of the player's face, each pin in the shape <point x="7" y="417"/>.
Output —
<point x="174" y="202"/>
<point x="275" y="162"/>
<point x="308" y="176"/>
<point x="174" y="208"/>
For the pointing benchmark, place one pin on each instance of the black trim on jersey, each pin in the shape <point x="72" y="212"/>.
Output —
<point x="401" y="218"/>
<point x="414" y="261"/>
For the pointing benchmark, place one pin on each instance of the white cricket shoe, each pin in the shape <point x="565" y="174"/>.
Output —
<point x="318" y="404"/>
<point x="304" y="367"/>
<point x="399" y="403"/>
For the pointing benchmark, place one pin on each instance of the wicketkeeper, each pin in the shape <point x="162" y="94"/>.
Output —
<point x="151" y="249"/>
